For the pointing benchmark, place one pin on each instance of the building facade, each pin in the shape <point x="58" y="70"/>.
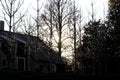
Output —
<point x="23" y="52"/>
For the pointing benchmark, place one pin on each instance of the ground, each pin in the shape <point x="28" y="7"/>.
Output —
<point x="53" y="76"/>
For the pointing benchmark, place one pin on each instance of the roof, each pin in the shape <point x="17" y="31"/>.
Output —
<point x="39" y="57"/>
<point x="56" y="59"/>
<point x="4" y="37"/>
<point x="1" y="39"/>
<point x="20" y="40"/>
<point x="44" y="54"/>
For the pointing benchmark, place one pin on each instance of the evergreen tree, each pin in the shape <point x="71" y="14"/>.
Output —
<point x="94" y="45"/>
<point x="114" y="27"/>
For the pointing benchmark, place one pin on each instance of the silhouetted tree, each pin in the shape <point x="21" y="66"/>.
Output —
<point x="47" y="17"/>
<point x="94" y="42"/>
<point x="79" y="30"/>
<point x="74" y="25"/>
<point x="10" y="9"/>
<point x="114" y="27"/>
<point x="113" y="38"/>
<point x="89" y="25"/>
<point x="56" y="17"/>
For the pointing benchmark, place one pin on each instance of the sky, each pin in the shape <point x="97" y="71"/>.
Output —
<point x="84" y="5"/>
<point x="101" y="7"/>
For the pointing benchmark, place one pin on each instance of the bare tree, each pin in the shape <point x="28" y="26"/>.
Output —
<point x="92" y="14"/>
<point x="28" y="27"/>
<point x="76" y="32"/>
<point x="56" y="17"/>
<point x="47" y="17"/>
<point x="10" y="9"/>
<point x="74" y="25"/>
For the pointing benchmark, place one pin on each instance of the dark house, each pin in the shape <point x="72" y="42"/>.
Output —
<point x="27" y="53"/>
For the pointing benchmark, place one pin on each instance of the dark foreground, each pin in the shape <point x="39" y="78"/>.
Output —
<point x="55" y="76"/>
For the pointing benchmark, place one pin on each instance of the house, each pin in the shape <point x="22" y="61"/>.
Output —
<point x="27" y="53"/>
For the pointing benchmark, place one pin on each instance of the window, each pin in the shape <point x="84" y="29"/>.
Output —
<point x="0" y="44"/>
<point x="41" y="68"/>
<point x="48" y="67"/>
<point x="4" y="62"/>
<point x="21" y="64"/>
<point x="20" y="49"/>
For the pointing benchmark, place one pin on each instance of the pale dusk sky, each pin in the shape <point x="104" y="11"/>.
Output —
<point x="101" y="7"/>
<point x="84" y="5"/>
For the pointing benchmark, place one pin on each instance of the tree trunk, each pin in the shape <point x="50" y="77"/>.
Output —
<point x="60" y="28"/>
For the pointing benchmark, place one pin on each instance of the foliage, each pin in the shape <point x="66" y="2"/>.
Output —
<point x="101" y="41"/>
<point x="93" y="48"/>
<point x="114" y="28"/>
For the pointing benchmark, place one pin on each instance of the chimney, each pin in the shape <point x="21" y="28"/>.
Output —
<point x="2" y="25"/>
